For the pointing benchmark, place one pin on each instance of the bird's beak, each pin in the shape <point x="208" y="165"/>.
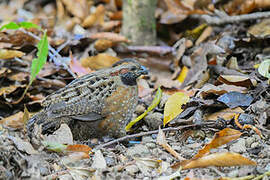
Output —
<point x="143" y="71"/>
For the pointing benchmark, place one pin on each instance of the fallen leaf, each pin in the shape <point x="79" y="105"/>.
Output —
<point x="99" y="61"/>
<point x="78" y="148"/>
<point x="220" y="160"/>
<point x="110" y="25"/>
<point x="210" y="89"/>
<point x="14" y="121"/>
<point x="7" y="90"/>
<point x="78" y="8"/>
<point x="103" y="44"/>
<point x="99" y="161"/>
<point x="9" y="54"/>
<point x="62" y="135"/>
<point x="20" y="76"/>
<point x="154" y="103"/>
<point x="96" y="18"/>
<point x="222" y="137"/>
<point x="74" y="157"/>
<point x="182" y="74"/>
<point x="264" y="68"/>
<point x="261" y="29"/>
<point x="234" y="99"/>
<point x="23" y="145"/>
<point x="204" y="35"/>
<point x="173" y="106"/>
<point x="237" y="80"/>
<point x="53" y="146"/>
<point x="77" y="68"/>
<point x="226" y="114"/>
<point x="147" y="165"/>
<point x="114" y="37"/>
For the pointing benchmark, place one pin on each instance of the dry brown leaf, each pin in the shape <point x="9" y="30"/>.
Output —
<point x="198" y="72"/>
<point x="114" y="37"/>
<point x="226" y="114"/>
<point x="4" y="71"/>
<point x="210" y="89"/>
<point x="48" y="83"/>
<point x="20" y="76"/>
<point x="14" y="121"/>
<point x="108" y="26"/>
<point x="78" y="148"/>
<point x="261" y="29"/>
<point x="220" y="160"/>
<point x="99" y="61"/>
<point x="78" y="69"/>
<point x="76" y="156"/>
<point x="103" y="44"/>
<point x="205" y="34"/>
<point x="245" y="6"/>
<point x="236" y="80"/>
<point x="78" y="8"/>
<point x="9" y="54"/>
<point x="222" y="137"/>
<point x="97" y="18"/>
<point x="17" y="38"/>
<point x="116" y="15"/>
<point x="7" y="90"/>
<point x="47" y="70"/>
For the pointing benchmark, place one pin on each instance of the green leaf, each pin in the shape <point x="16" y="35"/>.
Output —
<point x="264" y="68"/>
<point x="54" y="146"/>
<point x="37" y="63"/>
<point x="42" y="54"/>
<point x="154" y="103"/>
<point x="28" y="25"/>
<point x="14" y="26"/>
<point x="11" y="25"/>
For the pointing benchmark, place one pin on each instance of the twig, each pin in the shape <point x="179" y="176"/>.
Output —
<point x="211" y="20"/>
<point x="151" y="132"/>
<point x="56" y="174"/>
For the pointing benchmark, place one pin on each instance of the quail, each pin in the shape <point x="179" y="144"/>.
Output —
<point x="94" y="105"/>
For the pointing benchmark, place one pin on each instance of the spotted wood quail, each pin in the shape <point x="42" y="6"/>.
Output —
<point x="94" y="105"/>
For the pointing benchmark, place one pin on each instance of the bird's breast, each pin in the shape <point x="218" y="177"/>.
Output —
<point x="118" y="109"/>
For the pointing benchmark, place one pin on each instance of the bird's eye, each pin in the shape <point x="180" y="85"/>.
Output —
<point x="133" y="68"/>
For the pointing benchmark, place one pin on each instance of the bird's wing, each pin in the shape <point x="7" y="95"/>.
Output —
<point x="82" y="99"/>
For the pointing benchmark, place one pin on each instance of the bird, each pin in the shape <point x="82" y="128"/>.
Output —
<point x="94" y="105"/>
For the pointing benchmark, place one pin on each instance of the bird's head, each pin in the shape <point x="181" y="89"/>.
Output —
<point x="129" y="70"/>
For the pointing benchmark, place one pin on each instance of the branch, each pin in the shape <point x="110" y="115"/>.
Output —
<point x="214" y="20"/>
<point x="152" y="132"/>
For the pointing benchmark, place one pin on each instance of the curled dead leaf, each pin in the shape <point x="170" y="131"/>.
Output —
<point x="103" y="44"/>
<point x="220" y="160"/>
<point x="99" y="61"/>
<point x="237" y="80"/>
<point x="114" y="37"/>
<point x="14" y="121"/>
<point x="9" y="54"/>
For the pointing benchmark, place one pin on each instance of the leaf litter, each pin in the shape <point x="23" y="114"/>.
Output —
<point x="220" y="73"/>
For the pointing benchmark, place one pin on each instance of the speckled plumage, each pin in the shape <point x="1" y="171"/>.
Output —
<point x="94" y="105"/>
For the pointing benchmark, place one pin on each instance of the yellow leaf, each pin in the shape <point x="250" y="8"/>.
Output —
<point x="256" y="66"/>
<point x="173" y="106"/>
<point x="183" y="74"/>
<point x="9" y="54"/>
<point x="155" y="102"/>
